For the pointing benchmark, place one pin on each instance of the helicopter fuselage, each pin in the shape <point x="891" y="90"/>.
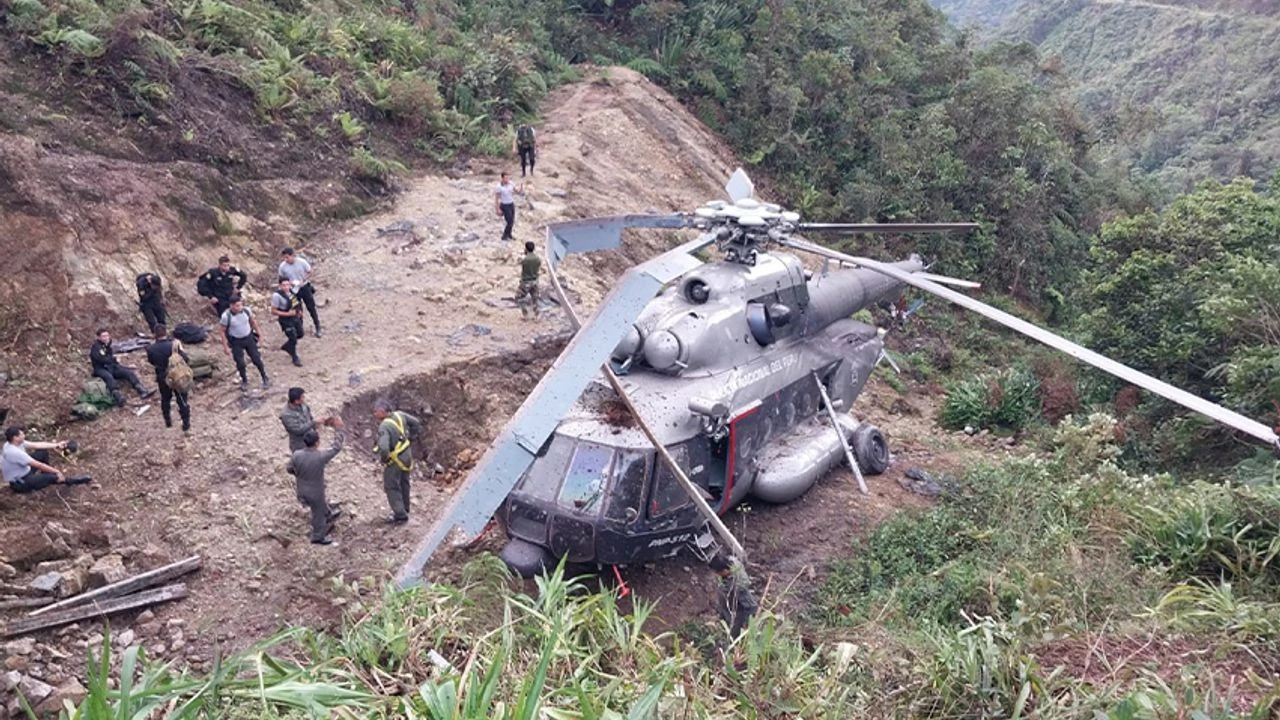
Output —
<point x="724" y="365"/>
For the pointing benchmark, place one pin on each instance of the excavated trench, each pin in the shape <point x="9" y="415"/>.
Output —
<point x="463" y="405"/>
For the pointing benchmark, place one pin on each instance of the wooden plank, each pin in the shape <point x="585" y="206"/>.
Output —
<point x="93" y="610"/>
<point x="128" y="585"/>
<point x="21" y="602"/>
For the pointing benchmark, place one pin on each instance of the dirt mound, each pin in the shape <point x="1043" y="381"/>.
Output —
<point x="416" y="302"/>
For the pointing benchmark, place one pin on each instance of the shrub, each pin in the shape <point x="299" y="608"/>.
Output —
<point x="1008" y="399"/>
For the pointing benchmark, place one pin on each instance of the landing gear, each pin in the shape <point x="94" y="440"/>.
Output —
<point x="870" y="449"/>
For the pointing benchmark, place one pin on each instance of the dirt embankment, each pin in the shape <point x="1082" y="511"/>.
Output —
<point x="416" y="305"/>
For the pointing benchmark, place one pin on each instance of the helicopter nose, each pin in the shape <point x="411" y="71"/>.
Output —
<point x="525" y="558"/>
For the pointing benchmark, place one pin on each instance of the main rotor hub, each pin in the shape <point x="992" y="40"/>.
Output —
<point x="745" y="227"/>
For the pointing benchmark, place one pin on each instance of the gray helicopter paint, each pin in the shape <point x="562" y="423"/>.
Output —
<point x="794" y="462"/>
<point x="1124" y="372"/>
<point x="509" y="455"/>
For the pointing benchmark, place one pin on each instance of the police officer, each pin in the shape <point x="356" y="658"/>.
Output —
<point x="298" y="270"/>
<point x="158" y="354"/>
<point x="240" y="335"/>
<point x="395" y="452"/>
<point x="106" y="367"/>
<point x="287" y="307"/>
<point x="150" y="299"/>
<point x="220" y="284"/>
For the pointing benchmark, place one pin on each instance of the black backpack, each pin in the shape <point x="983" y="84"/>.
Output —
<point x="190" y="333"/>
<point x="524" y="136"/>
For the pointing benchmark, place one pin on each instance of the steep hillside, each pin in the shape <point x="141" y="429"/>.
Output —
<point x="1184" y="90"/>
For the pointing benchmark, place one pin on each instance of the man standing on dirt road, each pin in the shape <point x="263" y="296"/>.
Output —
<point x="240" y="335"/>
<point x="298" y="270"/>
<point x="307" y="465"/>
<point x="25" y="465"/>
<point x="158" y="354"/>
<point x="220" y="284"/>
<point x="287" y="307"/>
<point x="504" y="203"/>
<point x="108" y="369"/>
<point x="525" y="145"/>
<point x="527" y="293"/>
<point x="297" y="420"/>
<point x="395" y="428"/>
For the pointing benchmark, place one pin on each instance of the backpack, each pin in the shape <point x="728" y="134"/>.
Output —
<point x="179" y="376"/>
<point x="190" y="333"/>
<point x="204" y="286"/>
<point x="524" y="136"/>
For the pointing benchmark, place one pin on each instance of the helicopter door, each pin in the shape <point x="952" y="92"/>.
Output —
<point x="744" y="444"/>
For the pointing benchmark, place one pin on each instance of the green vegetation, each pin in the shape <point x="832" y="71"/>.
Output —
<point x="1008" y="399"/>
<point x="1181" y="90"/>
<point x="996" y="602"/>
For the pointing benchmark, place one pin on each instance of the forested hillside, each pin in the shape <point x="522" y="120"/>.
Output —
<point x="1183" y="89"/>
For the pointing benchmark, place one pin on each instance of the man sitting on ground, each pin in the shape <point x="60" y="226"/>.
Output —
<point x="25" y="465"/>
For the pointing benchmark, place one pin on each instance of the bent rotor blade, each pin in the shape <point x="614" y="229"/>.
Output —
<point x="1124" y="372"/>
<point x="855" y="228"/>
<point x="488" y="483"/>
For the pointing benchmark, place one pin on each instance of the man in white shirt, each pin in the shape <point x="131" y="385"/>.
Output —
<point x="25" y="465"/>
<point x="298" y="270"/>
<point x="240" y="335"/>
<point x="504" y="203"/>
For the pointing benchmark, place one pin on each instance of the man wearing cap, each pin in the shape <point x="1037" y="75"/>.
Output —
<point x="25" y="465"/>
<point x="220" y="284"/>
<point x="298" y="271"/>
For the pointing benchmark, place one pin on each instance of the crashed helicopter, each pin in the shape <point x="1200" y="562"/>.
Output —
<point x="696" y="386"/>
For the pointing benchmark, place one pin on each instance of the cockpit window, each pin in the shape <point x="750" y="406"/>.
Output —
<point x="584" y="484"/>
<point x="626" y="498"/>
<point x="668" y="495"/>
<point x="542" y="479"/>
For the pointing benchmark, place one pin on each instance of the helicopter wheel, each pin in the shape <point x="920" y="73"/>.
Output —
<point x="870" y="449"/>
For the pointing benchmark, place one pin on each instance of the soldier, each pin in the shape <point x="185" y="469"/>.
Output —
<point x="240" y="335"/>
<point x="298" y="270"/>
<point x="150" y="299"/>
<point x="396" y="454"/>
<point x="504" y="203"/>
<point x="106" y="367"/>
<point x="158" y="354"/>
<point x="220" y="284"/>
<point x="734" y="599"/>
<point x="287" y="308"/>
<point x="307" y="465"/>
<point x="527" y="293"/>
<point x="297" y="420"/>
<point x="526" y="146"/>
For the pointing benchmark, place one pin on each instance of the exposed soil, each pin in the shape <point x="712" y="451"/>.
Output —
<point x="417" y="307"/>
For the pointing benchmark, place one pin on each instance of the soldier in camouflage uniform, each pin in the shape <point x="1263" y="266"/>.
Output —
<point x="527" y="294"/>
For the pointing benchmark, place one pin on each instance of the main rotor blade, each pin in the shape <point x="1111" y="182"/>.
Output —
<point x="1124" y="372"/>
<point x="856" y="228"/>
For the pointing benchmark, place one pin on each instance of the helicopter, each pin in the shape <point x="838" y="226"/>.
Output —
<point x="696" y="386"/>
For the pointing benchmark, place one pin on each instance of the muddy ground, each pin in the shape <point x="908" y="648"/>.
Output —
<point x="416" y="305"/>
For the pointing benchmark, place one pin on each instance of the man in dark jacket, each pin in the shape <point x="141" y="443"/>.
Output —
<point x="158" y="354"/>
<point x="150" y="299"/>
<point x="307" y="465"/>
<point x="109" y="370"/>
<point x="220" y="284"/>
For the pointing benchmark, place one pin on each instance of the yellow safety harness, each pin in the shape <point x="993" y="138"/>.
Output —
<point x="397" y="422"/>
